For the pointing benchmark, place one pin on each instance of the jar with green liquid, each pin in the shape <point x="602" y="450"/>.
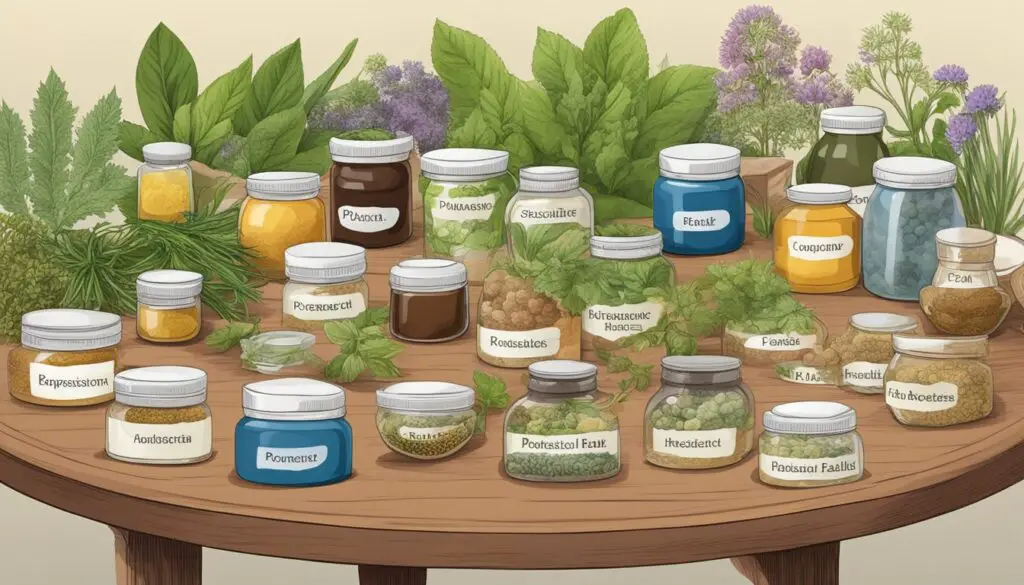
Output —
<point x="850" y="145"/>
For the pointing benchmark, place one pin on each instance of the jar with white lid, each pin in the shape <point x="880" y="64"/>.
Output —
<point x="851" y="143"/>
<point x="426" y="420"/>
<point x="429" y="300"/>
<point x="293" y="433"/>
<point x="169" y="306"/>
<point x="280" y="210"/>
<point x="549" y="203"/>
<point x="325" y="283"/>
<point x="165" y="182"/>
<point x="67" y="357"/>
<point x="863" y="352"/>
<point x="810" y="444"/>
<point x="160" y="416"/>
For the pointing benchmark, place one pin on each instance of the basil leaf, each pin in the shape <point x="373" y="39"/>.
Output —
<point x="215" y="107"/>
<point x="319" y="86"/>
<point x="616" y="49"/>
<point x="272" y="143"/>
<point x="276" y="88"/>
<point x="182" y="126"/>
<point x="165" y="79"/>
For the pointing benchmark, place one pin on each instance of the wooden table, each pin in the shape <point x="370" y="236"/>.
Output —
<point x="395" y="517"/>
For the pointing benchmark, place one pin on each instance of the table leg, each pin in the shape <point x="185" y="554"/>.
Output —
<point x="384" y="575"/>
<point x="143" y="559"/>
<point x="810" y="565"/>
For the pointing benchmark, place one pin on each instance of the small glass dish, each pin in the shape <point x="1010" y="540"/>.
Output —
<point x="280" y="353"/>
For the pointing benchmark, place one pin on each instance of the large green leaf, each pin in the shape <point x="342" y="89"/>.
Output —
<point x="132" y="137"/>
<point x="607" y="207"/>
<point x="181" y="128"/>
<point x="319" y="86"/>
<point x="14" y="173"/>
<point x="273" y="142"/>
<point x="96" y="144"/>
<point x="467" y="65"/>
<point x="276" y="87"/>
<point x="555" y="60"/>
<point x="53" y="117"/>
<point x="541" y="124"/>
<point x="165" y="79"/>
<point x="678" y="102"/>
<point x="214" y="108"/>
<point x="617" y="51"/>
<point x="315" y="160"/>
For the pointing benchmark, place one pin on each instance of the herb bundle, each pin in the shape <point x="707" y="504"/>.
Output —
<point x="362" y="346"/>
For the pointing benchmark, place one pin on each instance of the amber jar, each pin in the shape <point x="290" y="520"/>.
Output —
<point x="371" y="192"/>
<point x="281" y="210"/>
<point x="429" y="300"/>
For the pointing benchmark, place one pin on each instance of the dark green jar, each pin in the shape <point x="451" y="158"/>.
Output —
<point x="850" y="145"/>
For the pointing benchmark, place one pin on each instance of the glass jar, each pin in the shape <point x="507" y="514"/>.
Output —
<point x="549" y="206"/>
<point x="426" y="420"/>
<point x="67" y="357"/>
<point x="913" y="200"/>
<point x="169" y="306"/>
<point x="293" y="433"/>
<point x="764" y="347"/>
<point x="629" y="267"/>
<point x="939" y="381"/>
<point x="465" y="193"/>
<point x="165" y="182"/>
<point x="559" y="432"/>
<point x="371" y="191"/>
<point x="281" y="210"/>
<point x="281" y="353"/>
<point x="864" y="350"/>
<point x="429" y="300"/>
<point x="703" y="415"/>
<point x="817" y="240"/>
<point x="325" y="283"/>
<point x="810" y="444"/>
<point x="699" y="203"/>
<point x="160" y="417"/>
<point x="965" y="297"/>
<point x="850" y="144"/>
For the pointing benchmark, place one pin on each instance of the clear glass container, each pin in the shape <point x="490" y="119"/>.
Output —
<point x="939" y="381"/>
<point x="372" y="187"/>
<point x="810" y="444"/>
<point x="549" y="203"/>
<point x="850" y="144"/>
<point x="281" y="210"/>
<point x="765" y="347"/>
<point x="426" y="420"/>
<point x="165" y="182"/>
<point x="817" y="240"/>
<point x="561" y="431"/>
<point x="67" y="357"/>
<point x="160" y="416"/>
<point x="965" y="297"/>
<point x="913" y="200"/>
<point x="281" y="353"/>
<point x="862" y="353"/>
<point x="703" y="415"/>
<point x="429" y="300"/>
<point x="169" y="306"/>
<point x="325" y="283"/>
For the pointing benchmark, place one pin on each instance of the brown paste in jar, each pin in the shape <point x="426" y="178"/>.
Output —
<point x="429" y="316"/>
<point x="371" y="204"/>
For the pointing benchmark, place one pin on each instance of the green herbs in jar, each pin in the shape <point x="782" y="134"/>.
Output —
<point x="810" y="444"/>
<point x="426" y="420"/>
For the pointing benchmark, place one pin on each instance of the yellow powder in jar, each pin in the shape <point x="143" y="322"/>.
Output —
<point x="168" y="325"/>
<point x="19" y="364"/>
<point x="165" y="195"/>
<point x="165" y="416"/>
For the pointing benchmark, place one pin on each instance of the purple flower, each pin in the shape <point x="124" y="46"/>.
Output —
<point x="953" y="74"/>
<point x="774" y="42"/>
<point x="413" y="102"/>
<point x="961" y="130"/>
<point x="866" y="57"/>
<point x="821" y="90"/>
<point x="735" y="88"/>
<point x="983" y="99"/>
<point x="813" y="59"/>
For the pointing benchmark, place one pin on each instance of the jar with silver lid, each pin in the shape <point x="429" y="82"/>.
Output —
<point x="169" y="306"/>
<point x="325" y="283"/>
<point x="810" y="444"/>
<point x="429" y="300"/>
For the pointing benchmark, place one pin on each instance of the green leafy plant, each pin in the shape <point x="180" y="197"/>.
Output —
<point x="232" y="334"/>
<point x="32" y="280"/>
<point x="445" y="237"/>
<point x="551" y="255"/>
<point x="990" y="178"/>
<point x="750" y="296"/>
<point x="595" y="108"/>
<point x="241" y="122"/>
<point x="491" y="394"/>
<point x="362" y="346"/>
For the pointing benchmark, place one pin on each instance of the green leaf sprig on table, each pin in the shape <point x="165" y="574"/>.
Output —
<point x="363" y="346"/>
<point x="231" y="334"/>
<point x="750" y="296"/>
<point x="491" y="394"/>
<point x="552" y="257"/>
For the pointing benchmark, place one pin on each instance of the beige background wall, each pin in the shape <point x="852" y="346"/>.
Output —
<point x="94" y="45"/>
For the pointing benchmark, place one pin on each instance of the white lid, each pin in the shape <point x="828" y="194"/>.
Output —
<point x="548" y="179"/>
<point x="161" y="386"/>
<point x="626" y="248"/>
<point x="965" y="237"/>
<point x="700" y="363"/>
<point x="69" y="329"/>
<point x="428" y="275"/>
<point x="883" y="322"/>
<point x="160" y="286"/>
<point x="166" y="153"/>
<point x="426" y="397"/>
<point x="463" y="164"/>
<point x="283" y="186"/>
<point x="324" y="262"/>
<point x="811" y="418"/>
<point x="819" y="194"/>
<point x="853" y="120"/>
<point x="293" y="399"/>
<point x="562" y="370"/>
<point x="699" y="162"/>
<point x="943" y="347"/>
<point x="1009" y="255"/>
<point x="914" y="172"/>
<point x="371" y="151"/>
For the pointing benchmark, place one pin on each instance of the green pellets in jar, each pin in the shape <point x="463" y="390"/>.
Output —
<point x="426" y="420"/>
<point x="810" y="444"/>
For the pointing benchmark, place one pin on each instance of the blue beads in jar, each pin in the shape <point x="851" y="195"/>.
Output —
<point x="913" y="199"/>
<point x="699" y="203"/>
<point x="294" y="433"/>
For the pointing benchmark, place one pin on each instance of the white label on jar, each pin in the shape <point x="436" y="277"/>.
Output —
<point x="368" y="220"/>
<point x="171" y="442"/>
<point x="921" y="397"/>
<point x="596" y="442"/>
<point x="804" y="375"/>
<point x="542" y="210"/>
<point x="864" y="374"/>
<point x="700" y="221"/>
<point x="780" y="342"/>
<point x="324" y="307"/>
<point x="425" y="433"/>
<point x="814" y="249"/>
<point x="464" y="208"/>
<point x="861" y="194"/>
<point x="71" y="382"/>
<point x="519" y="344"/>
<point x="291" y="459"/>
<point x="613" y="323"/>
<point x="696" y="444"/>
<point x="824" y="469"/>
<point x="963" y="279"/>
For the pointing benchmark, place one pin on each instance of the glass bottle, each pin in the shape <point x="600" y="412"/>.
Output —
<point x="325" y="283"/>
<point x="810" y="444"/>
<point x="426" y="420"/>
<point x="371" y="191"/>
<point x="547" y="196"/>
<point x="817" y="240"/>
<point x="429" y="300"/>
<point x="170" y="306"/>
<point x="281" y="210"/>
<point x="865" y="349"/>
<point x="165" y="182"/>
<point x="850" y="144"/>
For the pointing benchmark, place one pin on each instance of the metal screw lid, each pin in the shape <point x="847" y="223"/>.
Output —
<point x="283" y="186"/>
<point x="463" y="164"/>
<point x="161" y="386"/>
<point x="811" y="418"/>
<point x="549" y="179"/>
<point x="699" y="162"/>
<point x="167" y="153"/>
<point x="324" y="262"/>
<point x="853" y="120"/>
<point x="428" y="275"/>
<point x="70" y="329"/>
<point x="914" y="172"/>
<point x="293" y="399"/>
<point x="426" y="397"/>
<point x="371" y="151"/>
<point x="819" y="194"/>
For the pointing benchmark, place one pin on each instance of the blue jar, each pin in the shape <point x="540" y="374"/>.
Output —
<point x="294" y="433"/>
<point x="913" y="199"/>
<point x="699" y="205"/>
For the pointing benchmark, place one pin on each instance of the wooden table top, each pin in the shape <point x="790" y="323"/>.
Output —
<point x="463" y="512"/>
